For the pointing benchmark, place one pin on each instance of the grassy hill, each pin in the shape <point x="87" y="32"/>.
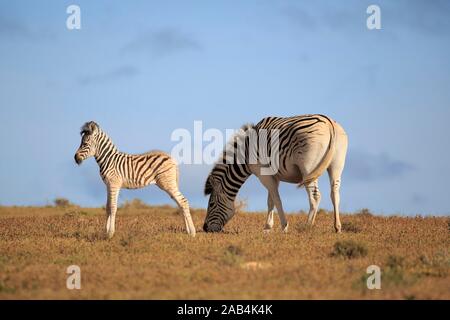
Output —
<point x="151" y="257"/>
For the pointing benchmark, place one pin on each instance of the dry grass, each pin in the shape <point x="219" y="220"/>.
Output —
<point x="151" y="257"/>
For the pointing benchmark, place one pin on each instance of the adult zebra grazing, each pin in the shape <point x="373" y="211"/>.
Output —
<point x="121" y="170"/>
<point x="307" y="146"/>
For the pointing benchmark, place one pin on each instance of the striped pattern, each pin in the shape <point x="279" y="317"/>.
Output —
<point x="121" y="170"/>
<point x="307" y="145"/>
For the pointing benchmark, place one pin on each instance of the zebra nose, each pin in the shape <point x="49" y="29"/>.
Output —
<point x="77" y="158"/>
<point x="212" y="227"/>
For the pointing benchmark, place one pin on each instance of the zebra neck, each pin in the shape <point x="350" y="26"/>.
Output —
<point x="233" y="179"/>
<point x="105" y="150"/>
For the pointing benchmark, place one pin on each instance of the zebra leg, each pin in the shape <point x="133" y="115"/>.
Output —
<point x="335" y="183"/>
<point x="334" y="173"/>
<point x="269" y="221"/>
<point x="183" y="204"/>
<point x="108" y="212"/>
<point x="314" y="199"/>
<point x="271" y="185"/>
<point x="270" y="208"/>
<point x="111" y="209"/>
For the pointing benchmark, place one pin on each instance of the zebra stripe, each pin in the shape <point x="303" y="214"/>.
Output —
<point x="121" y="170"/>
<point x="307" y="146"/>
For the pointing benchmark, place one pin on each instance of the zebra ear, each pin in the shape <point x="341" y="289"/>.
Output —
<point x="93" y="127"/>
<point x="208" y="186"/>
<point x="89" y="127"/>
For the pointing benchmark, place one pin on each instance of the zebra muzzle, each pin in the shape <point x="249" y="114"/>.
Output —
<point x="212" y="228"/>
<point x="78" y="159"/>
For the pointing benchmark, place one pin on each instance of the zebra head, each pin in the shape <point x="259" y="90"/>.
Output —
<point x="89" y="133"/>
<point x="220" y="206"/>
<point x="225" y="180"/>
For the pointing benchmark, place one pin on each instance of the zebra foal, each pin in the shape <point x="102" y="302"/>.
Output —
<point x="121" y="170"/>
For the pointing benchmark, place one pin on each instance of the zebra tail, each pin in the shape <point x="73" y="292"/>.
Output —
<point x="324" y="164"/>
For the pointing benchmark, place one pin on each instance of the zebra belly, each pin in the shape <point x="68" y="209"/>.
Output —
<point x="290" y="173"/>
<point x="291" y="176"/>
<point x="135" y="185"/>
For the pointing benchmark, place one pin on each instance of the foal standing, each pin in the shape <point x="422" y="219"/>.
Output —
<point x="121" y="170"/>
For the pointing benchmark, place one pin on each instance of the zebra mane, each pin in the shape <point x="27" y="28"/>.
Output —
<point x="238" y="137"/>
<point x="89" y="127"/>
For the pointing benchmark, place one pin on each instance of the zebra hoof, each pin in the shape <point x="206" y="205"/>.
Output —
<point x="310" y="224"/>
<point x="285" y="229"/>
<point x="190" y="229"/>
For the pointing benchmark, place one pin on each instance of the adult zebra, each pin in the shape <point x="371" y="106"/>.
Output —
<point x="307" y="146"/>
<point x="121" y="170"/>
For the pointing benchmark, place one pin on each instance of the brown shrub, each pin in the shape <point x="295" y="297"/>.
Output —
<point x="135" y="203"/>
<point x="349" y="249"/>
<point x="233" y="255"/>
<point x="394" y="273"/>
<point x="348" y="226"/>
<point x="364" y="213"/>
<point x="395" y="262"/>
<point x="62" y="203"/>
<point x="235" y="250"/>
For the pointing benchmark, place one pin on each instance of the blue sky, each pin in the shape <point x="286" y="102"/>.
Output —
<point x="142" y="69"/>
